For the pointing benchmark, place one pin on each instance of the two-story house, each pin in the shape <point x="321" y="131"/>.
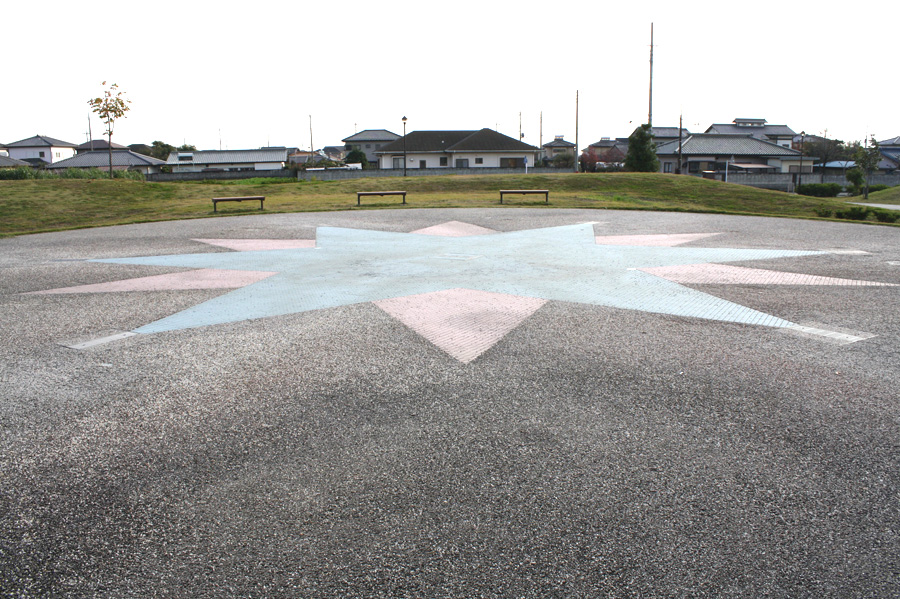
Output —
<point x="40" y="150"/>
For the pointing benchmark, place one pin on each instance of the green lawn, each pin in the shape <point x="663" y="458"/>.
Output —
<point x="32" y="206"/>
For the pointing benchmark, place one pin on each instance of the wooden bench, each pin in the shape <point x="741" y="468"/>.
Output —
<point x="360" y="194"/>
<point x="544" y="192"/>
<point x="238" y="199"/>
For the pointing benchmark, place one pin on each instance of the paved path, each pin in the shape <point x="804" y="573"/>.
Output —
<point x="451" y="403"/>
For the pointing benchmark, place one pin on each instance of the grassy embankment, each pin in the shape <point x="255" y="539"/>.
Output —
<point x="33" y="206"/>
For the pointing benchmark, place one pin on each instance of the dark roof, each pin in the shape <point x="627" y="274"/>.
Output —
<point x="668" y="132"/>
<point x="754" y="130"/>
<point x="708" y="144"/>
<point x="6" y="162"/>
<point x="100" y="158"/>
<point x="890" y="142"/>
<point x="40" y="141"/>
<point x="558" y="143"/>
<point x="485" y="140"/>
<point x="372" y="135"/>
<point x="98" y="144"/>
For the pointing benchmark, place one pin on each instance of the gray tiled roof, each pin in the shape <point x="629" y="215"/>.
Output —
<point x="895" y="141"/>
<point x="230" y="156"/>
<point x="98" y="144"/>
<point x="100" y="158"/>
<point x="372" y="135"/>
<point x="6" y="161"/>
<point x="668" y="132"/>
<point x="558" y="143"/>
<point x="708" y="144"/>
<point x="485" y="140"/>
<point x="40" y="141"/>
<point x="758" y="132"/>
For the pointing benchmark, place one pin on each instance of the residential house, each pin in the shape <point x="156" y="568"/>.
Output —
<point x="457" y="149"/>
<point x="97" y="144"/>
<point x="558" y="147"/>
<point x="369" y="142"/>
<point x="122" y="160"/>
<point x="720" y="152"/>
<point x="609" y="152"/>
<point x="263" y="159"/>
<point x="781" y="135"/>
<point x="40" y="150"/>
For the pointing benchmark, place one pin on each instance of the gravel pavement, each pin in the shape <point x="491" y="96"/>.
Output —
<point x="591" y="452"/>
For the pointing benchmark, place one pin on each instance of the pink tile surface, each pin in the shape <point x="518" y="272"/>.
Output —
<point x="652" y="240"/>
<point x="454" y="228"/>
<point x="463" y="322"/>
<point x="251" y="245"/>
<point x="740" y="275"/>
<point x="206" y="278"/>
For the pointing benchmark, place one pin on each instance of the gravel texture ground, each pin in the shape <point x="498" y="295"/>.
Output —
<point x="592" y="452"/>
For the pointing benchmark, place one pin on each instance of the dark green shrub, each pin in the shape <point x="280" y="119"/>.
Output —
<point x="824" y="212"/>
<point x="820" y="190"/>
<point x="886" y="216"/>
<point x="16" y="174"/>
<point x="879" y="187"/>
<point x="854" y="213"/>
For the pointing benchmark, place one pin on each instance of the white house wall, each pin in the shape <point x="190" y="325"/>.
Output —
<point x="51" y="155"/>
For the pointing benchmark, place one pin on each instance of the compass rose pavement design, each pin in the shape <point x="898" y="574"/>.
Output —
<point x="461" y="286"/>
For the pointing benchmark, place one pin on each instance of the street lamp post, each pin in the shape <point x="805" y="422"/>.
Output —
<point x="800" y="174"/>
<point x="404" y="146"/>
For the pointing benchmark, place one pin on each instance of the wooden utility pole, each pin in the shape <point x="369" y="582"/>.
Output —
<point x="576" y="130"/>
<point x="650" y="112"/>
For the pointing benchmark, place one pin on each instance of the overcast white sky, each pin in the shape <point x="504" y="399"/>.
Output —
<point x="250" y="74"/>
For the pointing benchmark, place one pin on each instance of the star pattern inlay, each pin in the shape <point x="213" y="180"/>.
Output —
<point x="565" y="263"/>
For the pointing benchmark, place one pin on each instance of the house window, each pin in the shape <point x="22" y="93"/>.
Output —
<point x="667" y="167"/>
<point x="368" y="146"/>
<point x="41" y="154"/>
<point x="397" y="162"/>
<point x="693" y="167"/>
<point x="443" y="161"/>
<point x="512" y="163"/>
<point x="421" y="164"/>
<point x="479" y="161"/>
<point x="462" y="163"/>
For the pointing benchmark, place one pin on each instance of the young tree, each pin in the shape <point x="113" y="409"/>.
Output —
<point x="110" y="107"/>
<point x="641" y="155"/>
<point x="867" y="159"/>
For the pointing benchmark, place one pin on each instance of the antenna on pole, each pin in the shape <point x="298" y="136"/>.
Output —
<point x="310" y="135"/>
<point x="520" y="127"/>
<point x="90" y="135"/>
<point x="650" y="111"/>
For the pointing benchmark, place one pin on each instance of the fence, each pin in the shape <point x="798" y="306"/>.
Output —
<point x="787" y="181"/>
<point x="220" y="175"/>
<point x="340" y="175"/>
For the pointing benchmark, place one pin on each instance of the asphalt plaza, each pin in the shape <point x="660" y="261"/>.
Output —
<point x="383" y="403"/>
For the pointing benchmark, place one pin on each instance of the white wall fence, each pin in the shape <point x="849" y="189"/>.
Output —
<point x="339" y="175"/>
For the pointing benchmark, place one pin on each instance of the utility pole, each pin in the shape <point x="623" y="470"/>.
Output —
<point x="520" y="127"/>
<point x="650" y="112"/>
<point x="90" y="135"/>
<point x="576" y="130"/>
<point x="680" y="159"/>
<point x="311" y="146"/>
